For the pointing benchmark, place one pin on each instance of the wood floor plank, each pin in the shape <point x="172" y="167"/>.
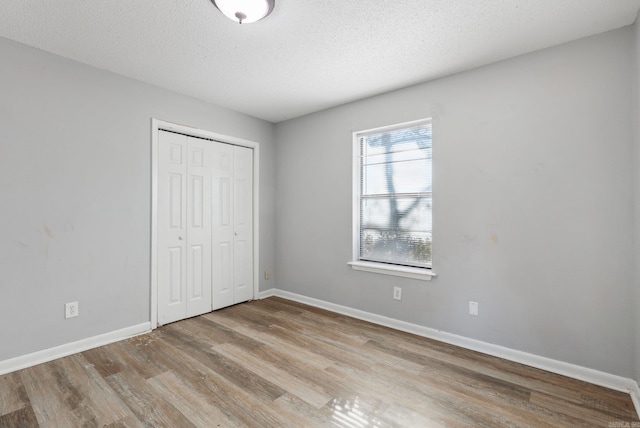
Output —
<point x="203" y="380"/>
<point x="304" y="370"/>
<point x="567" y="409"/>
<point x="336" y="353"/>
<point x="216" y="334"/>
<point x="239" y="403"/>
<point x="311" y="325"/>
<point x="383" y="395"/>
<point x="393" y="390"/>
<point x="44" y="392"/>
<point x="279" y="363"/>
<point x="119" y="356"/>
<point x="277" y="305"/>
<point x="105" y="361"/>
<point x="333" y="329"/>
<point x="307" y="392"/>
<point x="301" y="413"/>
<point x="99" y="399"/>
<point x="70" y="392"/>
<point x="148" y="405"/>
<point x="231" y="369"/>
<point x="189" y="401"/>
<point x="21" y="418"/>
<point x="13" y="395"/>
<point x="284" y="343"/>
<point x="128" y="422"/>
<point x="436" y="357"/>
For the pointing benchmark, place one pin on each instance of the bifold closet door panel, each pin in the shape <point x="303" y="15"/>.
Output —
<point x="198" y="205"/>
<point x="243" y="223"/>
<point x="172" y="227"/>
<point x="223" y="233"/>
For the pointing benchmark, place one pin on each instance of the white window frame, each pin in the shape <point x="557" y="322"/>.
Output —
<point x="382" y="268"/>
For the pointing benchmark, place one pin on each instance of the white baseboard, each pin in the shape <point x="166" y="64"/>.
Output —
<point x="39" y="357"/>
<point x="596" y="377"/>
<point x="267" y="293"/>
<point x="635" y="397"/>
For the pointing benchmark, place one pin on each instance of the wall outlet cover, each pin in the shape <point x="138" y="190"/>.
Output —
<point x="473" y="308"/>
<point x="71" y="310"/>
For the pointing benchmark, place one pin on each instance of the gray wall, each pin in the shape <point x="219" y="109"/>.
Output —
<point x="75" y="174"/>
<point x="533" y="207"/>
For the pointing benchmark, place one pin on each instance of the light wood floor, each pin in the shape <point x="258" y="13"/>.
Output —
<point x="277" y="363"/>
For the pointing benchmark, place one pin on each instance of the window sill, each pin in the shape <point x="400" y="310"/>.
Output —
<point x="404" y="271"/>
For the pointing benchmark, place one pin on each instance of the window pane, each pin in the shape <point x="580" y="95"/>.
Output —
<point x="395" y="195"/>
<point x="410" y="248"/>
<point x="398" y="140"/>
<point x="397" y="156"/>
<point x="412" y="176"/>
<point x="396" y="214"/>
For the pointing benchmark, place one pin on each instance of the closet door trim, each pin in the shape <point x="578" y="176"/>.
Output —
<point x="158" y="125"/>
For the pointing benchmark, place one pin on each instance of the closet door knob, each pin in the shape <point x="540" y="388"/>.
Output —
<point x="180" y="238"/>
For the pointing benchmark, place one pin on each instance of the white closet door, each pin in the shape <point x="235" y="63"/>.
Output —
<point x="232" y="225"/>
<point x="223" y="214"/>
<point x="243" y="223"/>
<point x="172" y="260"/>
<point x="198" y="227"/>
<point x="205" y="226"/>
<point x="184" y="227"/>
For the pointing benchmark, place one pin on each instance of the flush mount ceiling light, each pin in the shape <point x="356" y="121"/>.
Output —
<point x="244" y="11"/>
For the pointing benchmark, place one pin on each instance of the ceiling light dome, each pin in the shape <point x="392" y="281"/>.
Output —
<point x="245" y="11"/>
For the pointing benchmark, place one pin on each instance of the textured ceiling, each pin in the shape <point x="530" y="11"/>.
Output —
<point x="306" y="56"/>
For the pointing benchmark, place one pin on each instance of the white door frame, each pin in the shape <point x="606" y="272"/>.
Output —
<point x="157" y="125"/>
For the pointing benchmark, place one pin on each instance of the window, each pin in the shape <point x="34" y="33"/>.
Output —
<point x="392" y="200"/>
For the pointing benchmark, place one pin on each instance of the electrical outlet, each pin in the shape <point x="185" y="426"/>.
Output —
<point x="71" y="310"/>
<point x="397" y="293"/>
<point x="267" y="275"/>
<point x="473" y="308"/>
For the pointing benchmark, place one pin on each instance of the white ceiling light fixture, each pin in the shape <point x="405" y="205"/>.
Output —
<point x="245" y="11"/>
